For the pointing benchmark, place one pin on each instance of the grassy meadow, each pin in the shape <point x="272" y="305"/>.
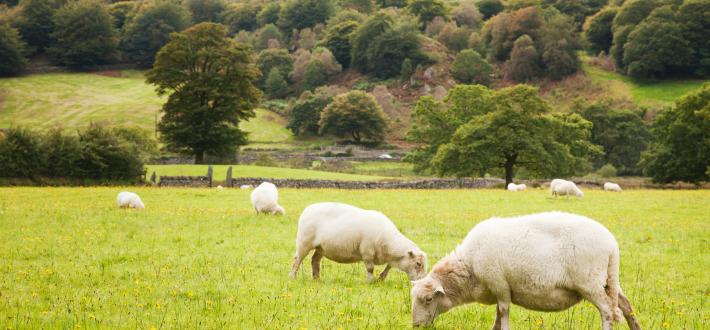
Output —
<point x="200" y="258"/>
<point x="114" y="98"/>
<point x="642" y="92"/>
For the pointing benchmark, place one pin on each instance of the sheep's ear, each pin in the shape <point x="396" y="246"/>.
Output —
<point x="439" y="291"/>
<point x="411" y="253"/>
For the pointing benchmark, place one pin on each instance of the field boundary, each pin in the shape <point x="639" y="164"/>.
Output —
<point x="337" y="184"/>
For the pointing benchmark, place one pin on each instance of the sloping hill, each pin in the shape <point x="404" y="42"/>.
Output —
<point x="73" y="100"/>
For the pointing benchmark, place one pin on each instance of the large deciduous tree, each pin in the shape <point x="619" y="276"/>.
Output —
<point x="477" y="131"/>
<point x="36" y="24"/>
<point x="681" y="140"/>
<point x="381" y="44"/>
<point x="83" y="34"/>
<point x="209" y="79"/>
<point x="597" y="30"/>
<point x="622" y="133"/>
<point x="301" y="14"/>
<point x="12" y="59"/>
<point x="150" y="29"/>
<point x="356" y="115"/>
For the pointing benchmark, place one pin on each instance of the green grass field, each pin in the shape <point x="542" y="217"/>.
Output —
<point x="220" y="172"/>
<point x="643" y="92"/>
<point x="73" y="100"/>
<point x="199" y="258"/>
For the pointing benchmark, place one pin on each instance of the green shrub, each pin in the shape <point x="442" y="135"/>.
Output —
<point x="607" y="171"/>
<point x="21" y="154"/>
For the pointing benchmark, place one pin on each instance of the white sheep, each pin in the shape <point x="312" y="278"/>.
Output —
<point x="346" y="234"/>
<point x="610" y="186"/>
<point x="555" y="182"/>
<point x="265" y="198"/>
<point x="245" y="187"/>
<point x="567" y="188"/>
<point x="517" y="187"/>
<point x="129" y="200"/>
<point x="219" y="187"/>
<point x="544" y="262"/>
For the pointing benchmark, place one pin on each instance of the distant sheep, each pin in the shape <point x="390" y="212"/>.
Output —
<point x="265" y="199"/>
<point x="545" y="262"/>
<point x="346" y="234"/>
<point x="555" y="182"/>
<point x="127" y="199"/>
<point x="567" y="188"/>
<point x="245" y="187"/>
<point x="517" y="187"/>
<point x="219" y="187"/>
<point x="610" y="186"/>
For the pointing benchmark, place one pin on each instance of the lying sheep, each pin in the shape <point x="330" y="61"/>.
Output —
<point x="567" y="188"/>
<point x="245" y="187"/>
<point x="219" y="187"/>
<point x="610" y="186"/>
<point x="346" y="234"/>
<point x="265" y="198"/>
<point x="517" y="187"/>
<point x="129" y="200"/>
<point x="544" y="262"/>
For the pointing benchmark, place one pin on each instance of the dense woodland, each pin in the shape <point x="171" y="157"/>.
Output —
<point x="364" y="70"/>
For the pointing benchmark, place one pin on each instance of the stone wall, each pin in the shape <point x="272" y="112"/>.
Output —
<point x="415" y="184"/>
<point x="185" y="181"/>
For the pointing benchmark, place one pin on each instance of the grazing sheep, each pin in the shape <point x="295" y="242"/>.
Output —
<point x="265" y="198"/>
<point x="245" y="187"/>
<point x="517" y="187"/>
<point x="555" y="182"/>
<point x="567" y="188"/>
<point x="129" y="200"/>
<point x="610" y="186"/>
<point x="544" y="262"/>
<point x="346" y="234"/>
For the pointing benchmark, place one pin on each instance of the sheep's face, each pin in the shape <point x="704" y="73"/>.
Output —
<point x="414" y="264"/>
<point x="428" y="301"/>
<point x="579" y="193"/>
<point x="138" y="205"/>
<point x="279" y="210"/>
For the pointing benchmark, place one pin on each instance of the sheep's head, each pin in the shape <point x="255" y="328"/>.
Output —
<point x="428" y="301"/>
<point x="414" y="263"/>
<point x="279" y="210"/>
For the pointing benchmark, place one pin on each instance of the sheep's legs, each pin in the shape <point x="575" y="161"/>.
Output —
<point x="628" y="311"/>
<point x="502" y="316"/>
<point x="315" y="263"/>
<point x="384" y="273"/>
<point x="297" y="259"/>
<point x="601" y="301"/>
<point x="370" y="269"/>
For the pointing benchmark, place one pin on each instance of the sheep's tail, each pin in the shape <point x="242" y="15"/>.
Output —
<point x="613" y="288"/>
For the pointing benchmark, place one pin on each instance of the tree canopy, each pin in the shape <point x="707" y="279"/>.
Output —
<point x="209" y="79"/>
<point x="83" y="34"/>
<point x="477" y="131"/>
<point x="355" y="115"/>
<point x="680" y="150"/>
<point x="12" y="48"/>
<point x="150" y="29"/>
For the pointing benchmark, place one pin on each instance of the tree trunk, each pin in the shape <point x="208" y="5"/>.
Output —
<point x="509" y="163"/>
<point x="356" y="136"/>
<point x="199" y="156"/>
